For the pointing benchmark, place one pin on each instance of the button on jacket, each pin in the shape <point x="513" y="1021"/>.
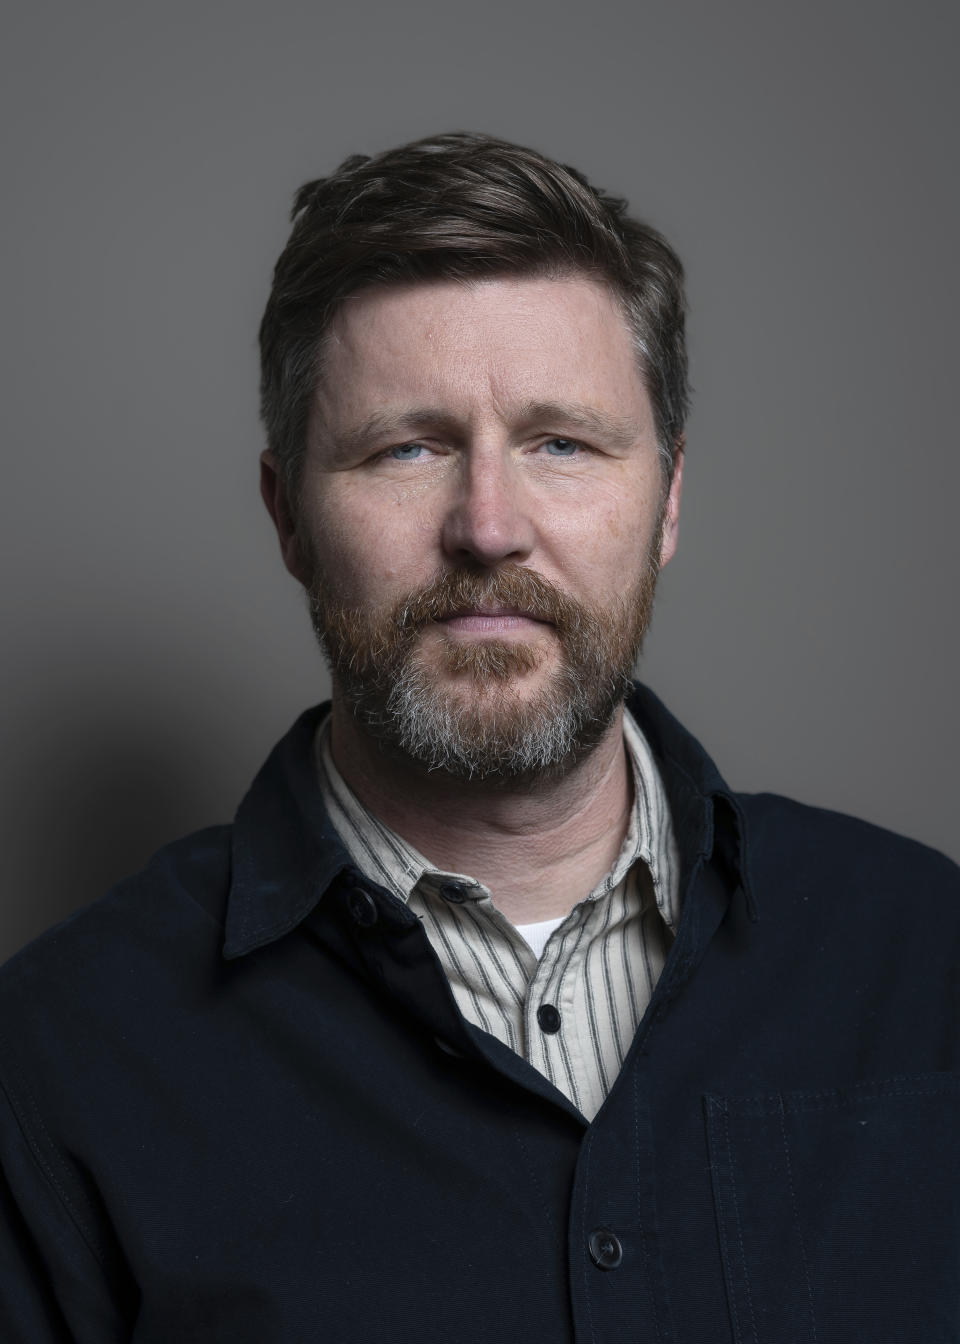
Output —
<point x="240" y="1103"/>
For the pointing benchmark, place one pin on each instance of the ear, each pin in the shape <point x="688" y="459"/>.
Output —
<point x="273" y="491"/>
<point x="671" y="517"/>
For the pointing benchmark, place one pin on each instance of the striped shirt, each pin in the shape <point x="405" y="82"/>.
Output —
<point x="573" y="1011"/>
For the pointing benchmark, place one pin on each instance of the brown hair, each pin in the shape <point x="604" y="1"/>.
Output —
<point x="460" y="206"/>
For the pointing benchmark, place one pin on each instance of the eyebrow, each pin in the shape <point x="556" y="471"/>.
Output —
<point x="392" y="425"/>
<point x="588" y="420"/>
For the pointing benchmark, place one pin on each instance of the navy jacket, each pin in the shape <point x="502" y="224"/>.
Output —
<point x="239" y="1103"/>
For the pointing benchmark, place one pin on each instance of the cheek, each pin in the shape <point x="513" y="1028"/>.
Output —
<point x="365" y="551"/>
<point x="608" y="541"/>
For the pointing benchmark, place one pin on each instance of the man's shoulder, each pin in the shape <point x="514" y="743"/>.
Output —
<point x="102" y="1007"/>
<point x="145" y="920"/>
<point x="793" y="845"/>
<point x="795" y="842"/>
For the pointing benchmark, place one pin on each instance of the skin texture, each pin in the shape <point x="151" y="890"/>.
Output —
<point x="476" y="424"/>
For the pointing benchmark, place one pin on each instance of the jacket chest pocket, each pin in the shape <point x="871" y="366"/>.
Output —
<point x="838" y="1212"/>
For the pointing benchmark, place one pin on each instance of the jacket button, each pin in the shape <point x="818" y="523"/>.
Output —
<point x="605" y="1249"/>
<point x="454" y="892"/>
<point x="548" y="1017"/>
<point x="362" y="907"/>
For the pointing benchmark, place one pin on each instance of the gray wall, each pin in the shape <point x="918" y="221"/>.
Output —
<point x="801" y="157"/>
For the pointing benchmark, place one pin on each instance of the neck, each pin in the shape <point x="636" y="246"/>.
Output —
<point x="540" y="847"/>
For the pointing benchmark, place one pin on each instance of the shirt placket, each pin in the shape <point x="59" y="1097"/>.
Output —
<point x="553" y="1044"/>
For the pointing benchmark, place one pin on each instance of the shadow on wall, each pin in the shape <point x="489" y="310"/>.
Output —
<point x="94" y="785"/>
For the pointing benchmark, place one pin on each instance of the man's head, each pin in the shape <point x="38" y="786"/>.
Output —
<point x="459" y="207"/>
<point x="474" y="386"/>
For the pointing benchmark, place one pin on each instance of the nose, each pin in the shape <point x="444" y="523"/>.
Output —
<point x="489" y="519"/>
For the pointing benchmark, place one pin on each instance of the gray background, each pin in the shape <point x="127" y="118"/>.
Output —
<point x="802" y="159"/>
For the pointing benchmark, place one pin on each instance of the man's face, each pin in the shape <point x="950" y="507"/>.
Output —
<point x="483" y="513"/>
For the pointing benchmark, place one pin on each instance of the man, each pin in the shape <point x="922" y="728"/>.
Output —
<point x="496" y="1015"/>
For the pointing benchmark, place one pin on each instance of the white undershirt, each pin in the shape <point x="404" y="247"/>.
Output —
<point x="537" y="934"/>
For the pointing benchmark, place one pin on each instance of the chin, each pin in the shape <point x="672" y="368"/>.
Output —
<point x="514" y="729"/>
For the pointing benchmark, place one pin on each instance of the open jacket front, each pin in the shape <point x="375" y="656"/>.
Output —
<point x="239" y="1103"/>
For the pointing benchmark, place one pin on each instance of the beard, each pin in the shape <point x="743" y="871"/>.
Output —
<point x="461" y="707"/>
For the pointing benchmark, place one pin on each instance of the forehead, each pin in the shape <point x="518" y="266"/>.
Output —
<point x="485" y="345"/>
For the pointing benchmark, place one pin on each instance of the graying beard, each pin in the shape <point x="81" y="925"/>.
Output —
<point x="378" y="673"/>
<point x="559" y="725"/>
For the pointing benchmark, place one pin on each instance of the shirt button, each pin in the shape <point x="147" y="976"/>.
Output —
<point x="548" y="1018"/>
<point x="454" y="892"/>
<point x="363" y="908"/>
<point x="605" y="1249"/>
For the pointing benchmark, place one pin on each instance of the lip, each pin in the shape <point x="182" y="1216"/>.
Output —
<point x="494" y="613"/>
<point x="489" y="621"/>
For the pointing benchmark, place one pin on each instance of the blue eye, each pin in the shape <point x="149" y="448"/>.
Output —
<point x="562" y="447"/>
<point x="406" y="452"/>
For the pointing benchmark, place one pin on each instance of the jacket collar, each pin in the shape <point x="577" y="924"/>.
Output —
<point x="285" y="851"/>
<point x="707" y="815"/>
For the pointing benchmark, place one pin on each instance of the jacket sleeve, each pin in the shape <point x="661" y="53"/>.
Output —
<point x="53" y="1289"/>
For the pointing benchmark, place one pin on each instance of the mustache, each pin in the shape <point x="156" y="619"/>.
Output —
<point x="512" y="586"/>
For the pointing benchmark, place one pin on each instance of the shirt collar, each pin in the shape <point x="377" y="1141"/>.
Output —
<point x="385" y="856"/>
<point x="286" y="851"/>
